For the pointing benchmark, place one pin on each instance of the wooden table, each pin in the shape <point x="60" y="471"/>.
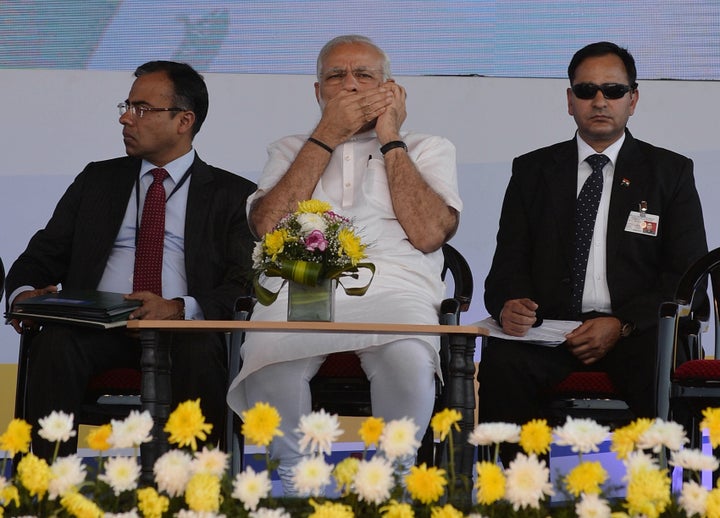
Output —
<point x="155" y="365"/>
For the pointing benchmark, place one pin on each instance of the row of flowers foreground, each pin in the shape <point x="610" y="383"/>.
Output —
<point x="196" y="483"/>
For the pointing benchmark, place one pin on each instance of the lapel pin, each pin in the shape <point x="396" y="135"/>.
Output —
<point x="625" y="182"/>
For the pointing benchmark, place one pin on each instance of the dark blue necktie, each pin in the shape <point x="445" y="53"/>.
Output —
<point x="585" y="214"/>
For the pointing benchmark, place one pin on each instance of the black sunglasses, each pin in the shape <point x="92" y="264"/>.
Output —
<point x="609" y="90"/>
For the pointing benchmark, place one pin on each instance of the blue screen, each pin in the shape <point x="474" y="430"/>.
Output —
<point x="670" y="39"/>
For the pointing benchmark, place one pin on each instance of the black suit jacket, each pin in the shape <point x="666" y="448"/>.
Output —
<point x="535" y="239"/>
<point x="74" y="246"/>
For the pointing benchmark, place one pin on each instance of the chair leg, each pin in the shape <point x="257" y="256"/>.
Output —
<point x="236" y="447"/>
<point x="426" y="452"/>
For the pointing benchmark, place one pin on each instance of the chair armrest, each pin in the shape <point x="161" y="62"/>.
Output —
<point x="450" y="312"/>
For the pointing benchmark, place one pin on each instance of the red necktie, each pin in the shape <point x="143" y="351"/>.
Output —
<point x="147" y="275"/>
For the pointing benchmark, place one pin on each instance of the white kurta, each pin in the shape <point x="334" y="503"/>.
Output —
<point x="407" y="287"/>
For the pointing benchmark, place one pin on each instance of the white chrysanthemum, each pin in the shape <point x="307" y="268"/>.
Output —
<point x="592" y="506"/>
<point x="210" y="460"/>
<point x="398" y="438"/>
<point x="270" y="513"/>
<point x="311" y="475"/>
<point x="319" y="430"/>
<point x="486" y="434"/>
<point x="249" y="487"/>
<point x="132" y="431"/>
<point x="310" y="221"/>
<point x="172" y="472"/>
<point x="693" y="499"/>
<point x="257" y="254"/>
<point x="693" y="459"/>
<point x="121" y="473"/>
<point x="638" y="461"/>
<point x="67" y="475"/>
<point x="374" y="480"/>
<point x="129" y="514"/>
<point x="662" y="433"/>
<point x="58" y="426"/>
<point x="527" y="482"/>
<point x="582" y="435"/>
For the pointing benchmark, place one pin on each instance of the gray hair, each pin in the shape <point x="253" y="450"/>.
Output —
<point x="349" y="39"/>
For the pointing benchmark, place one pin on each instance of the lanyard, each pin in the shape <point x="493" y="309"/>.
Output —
<point x="183" y="179"/>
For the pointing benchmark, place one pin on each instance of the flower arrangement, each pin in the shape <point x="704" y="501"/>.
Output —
<point x="191" y="483"/>
<point x="307" y="246"/>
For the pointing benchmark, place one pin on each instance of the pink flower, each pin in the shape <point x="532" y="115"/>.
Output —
<point x="316" y="241"/>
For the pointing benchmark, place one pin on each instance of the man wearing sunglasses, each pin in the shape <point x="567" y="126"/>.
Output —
<point x="598" y="229"/>
<point x="95" y="241"/>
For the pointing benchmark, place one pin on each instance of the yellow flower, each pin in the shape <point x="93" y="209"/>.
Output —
<point x="330" y="510"/>
<point x="274" y="242"/>
<point x="9" y="494"/>
<point x="350" y="244"/>
<point x="586" y="477"/>
<point x="151" y="504"/>
<point x="370" y="430"/>
<point x="648" y="492"/>
<point x="186" y="424"/>
<point x="203" y="493"/>
<point x="712" y="504"/>
<point x="425" y="484"/>
<point x="490" y="483"/>
<point x="711" y="421"/>
<point x="97" y="439"/>
<point x="261" y="423"/>
<point x="624" y="440"/>
<point x="443" y="421"/>
<point x="313" y="206"/>
<point x="535" y="437"/>
<point x="34" y="474"/>
<point x="395" y="509"/>
<point x="448" y="511"/>
<point x="344" y="474"/>
<point x="16" y="438"/>
<point x="80" y="506"/>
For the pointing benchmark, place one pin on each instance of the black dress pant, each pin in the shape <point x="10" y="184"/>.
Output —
<point x="64" y="358"/>
<point x="515" y="377"/>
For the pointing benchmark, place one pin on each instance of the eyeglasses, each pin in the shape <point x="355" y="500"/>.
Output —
<point x="362" y="75"/>
<point x="138" y="111"/>
<point x="609" y="90"/>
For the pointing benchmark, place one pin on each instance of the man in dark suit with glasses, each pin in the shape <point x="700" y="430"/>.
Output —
<point x="597" y="229"/>
<point x="95" y="240"/>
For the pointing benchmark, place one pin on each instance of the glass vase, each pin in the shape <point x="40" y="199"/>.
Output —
<point x="312" y="303"/>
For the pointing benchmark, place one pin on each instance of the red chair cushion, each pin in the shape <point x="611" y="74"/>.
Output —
<point x="341" y="365"/>
<point x="697" y="371"/>
<point x="585" y="382"/>
<point x="116" y="381"/>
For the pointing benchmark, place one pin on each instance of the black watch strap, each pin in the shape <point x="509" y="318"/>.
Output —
<point x="392" y="145"/>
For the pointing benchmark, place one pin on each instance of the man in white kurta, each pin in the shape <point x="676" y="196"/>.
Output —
<point x="400" y="190"/>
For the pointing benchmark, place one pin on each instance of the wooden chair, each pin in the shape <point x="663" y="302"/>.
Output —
<point x="685" y="388"/>
<point x="341" y="387"/>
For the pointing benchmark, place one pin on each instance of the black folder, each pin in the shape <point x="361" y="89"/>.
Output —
<point x="85" y="307"/>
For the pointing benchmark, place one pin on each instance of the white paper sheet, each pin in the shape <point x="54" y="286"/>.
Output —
<point x="550" y="333"/>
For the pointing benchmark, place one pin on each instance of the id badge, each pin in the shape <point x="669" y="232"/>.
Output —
<point x="641" y="222"/>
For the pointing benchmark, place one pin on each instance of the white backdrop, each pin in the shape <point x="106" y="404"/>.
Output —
<point x="54" y="122"/>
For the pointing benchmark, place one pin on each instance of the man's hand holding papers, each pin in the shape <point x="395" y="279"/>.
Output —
<point x="550" y="333"/>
